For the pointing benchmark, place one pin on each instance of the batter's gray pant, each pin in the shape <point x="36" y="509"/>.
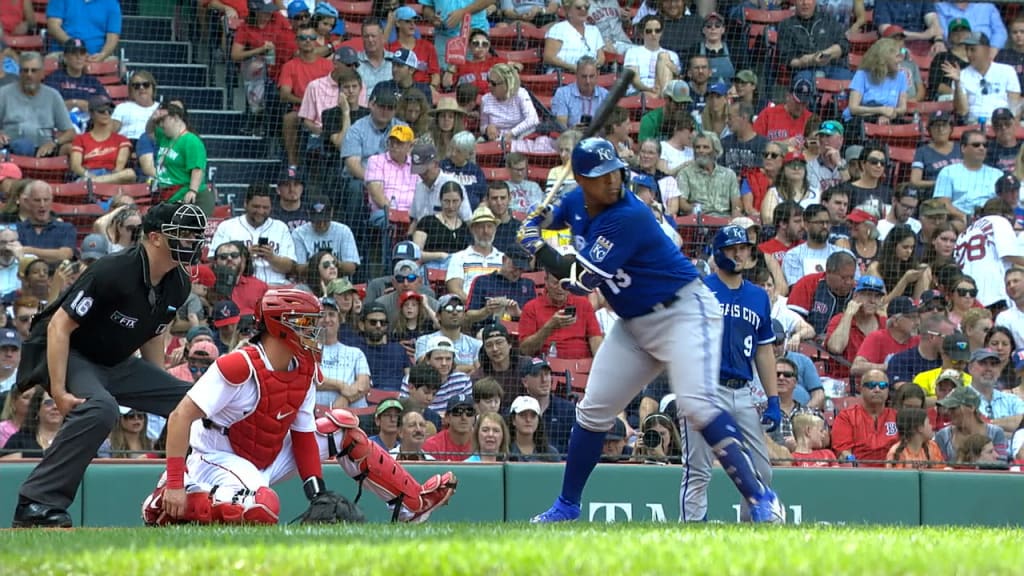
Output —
<point x="135" y="383"/>
<point x="693" y="490"/>
<point x="685" y="338"/>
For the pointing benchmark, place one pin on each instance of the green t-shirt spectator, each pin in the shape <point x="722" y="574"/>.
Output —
<point x="175" y="160"/>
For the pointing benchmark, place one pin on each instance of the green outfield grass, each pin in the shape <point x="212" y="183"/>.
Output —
<point x="478" y="549"/>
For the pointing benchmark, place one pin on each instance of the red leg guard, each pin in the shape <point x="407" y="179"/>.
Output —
<point x="197" y="509"/>
<point x="365" y="461"/>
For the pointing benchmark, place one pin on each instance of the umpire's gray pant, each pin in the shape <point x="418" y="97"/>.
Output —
<point x="693" y="490"/>
<point x="135" y="383"/>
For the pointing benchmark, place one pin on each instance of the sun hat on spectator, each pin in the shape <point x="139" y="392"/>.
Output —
<point x="388" y="404"/>
<point x="483" y="215"/>
<point x="402" y="133"/>
<point x="532" y="366"/>
<point x="870" y="284"/>
<point x="94" y="247"/>
<point x="346" y="55"/>
<point x="226" y="313"/>
<point x="198" y="332"/>
<point x="523" y="403"/>
<point x="961" y="396"/>
<point x="678" y="91"/>
<point x="460" y="400"/>
<point x="405" y="13"/>
<point x="10" y="338"/>
<point x="409" y="295"/>
<point x="1018" y="359"/>
<point x="297" y="7"/>
<point x="982" y="354"/>
<point x="831" y="128"/>
<point x="858" y="216"/>
<point x="203" y="349"/>
<point x="339" y="286"/>
<point x="746" y="76"/>
<point x="75" y="45"/>
<point x="951" y="375"/>
<point x="406" y="250"/>
<point x="900" y="305"/>
<point x="447" y="104"/>
<point x="956" y="347"/>
<point x="893" y="31"/>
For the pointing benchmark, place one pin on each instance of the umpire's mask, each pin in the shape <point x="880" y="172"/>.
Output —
<point x="184" y="226"/>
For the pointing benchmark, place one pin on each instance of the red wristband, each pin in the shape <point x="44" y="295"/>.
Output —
<point x="176" y="473"/>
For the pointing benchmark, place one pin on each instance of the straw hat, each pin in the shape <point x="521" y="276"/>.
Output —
<point x="447" y="104"/>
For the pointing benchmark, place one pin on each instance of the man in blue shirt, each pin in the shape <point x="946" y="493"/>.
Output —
<point x="918" y="19"/>
<point x="983" y="16"/>
<point x="71" y="80"/>
<point x="96" y="22"/>
<point x="42" y="234"/>
<point x="572" y="103"/>
<point x="388" y="362"/>
<point x="503" y="291"/>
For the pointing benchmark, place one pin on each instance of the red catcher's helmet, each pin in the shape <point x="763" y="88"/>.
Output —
<point x="293" y="316"/>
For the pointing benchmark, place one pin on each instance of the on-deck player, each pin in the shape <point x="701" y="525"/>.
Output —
<point x="747" y="338"/>
<point x="249" y="421"/>
<point x="668" y="318"/>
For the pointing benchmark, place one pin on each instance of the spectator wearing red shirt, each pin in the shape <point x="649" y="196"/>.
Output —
<point x="561" y="319"/>
<point x="264" y="32"/>
<point x="818" y="297"/>
<point x="847" y="331"/>
<point x="429" y="72"/>
<point x="231" y="262"/>
<point x="868" y="429"/>
<point x="478" y="63"/>
<point x="789" y="231"/>
<point x="899" y="334"/>
<point x="788" y="121"/>
<point x="296" y="74"/>
<point x="18" y="17"/>
<point x="101" y="154"/>
<point x="455" y="443"/>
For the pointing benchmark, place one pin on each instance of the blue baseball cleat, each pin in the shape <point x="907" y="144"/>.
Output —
<point x="561" y="511"/>
<point x="768" y="510"/>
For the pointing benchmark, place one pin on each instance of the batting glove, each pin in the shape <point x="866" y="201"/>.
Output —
<point x="529" y="237"/>
<point x="772" y="416"/>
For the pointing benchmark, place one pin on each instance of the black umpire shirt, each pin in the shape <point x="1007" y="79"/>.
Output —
<point x="116" y="308"/>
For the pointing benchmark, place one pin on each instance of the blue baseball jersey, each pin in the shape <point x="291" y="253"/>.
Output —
<point x="625" y="246"/>
<point x="748" y="324"/>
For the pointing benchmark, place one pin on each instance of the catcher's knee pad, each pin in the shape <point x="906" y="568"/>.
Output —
<point x="343" y="426"/>
<point x="247" y="507"/>
<point x="198" y="509"/>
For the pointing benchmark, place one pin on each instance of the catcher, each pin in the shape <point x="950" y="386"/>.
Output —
<point x="249" y="421"/>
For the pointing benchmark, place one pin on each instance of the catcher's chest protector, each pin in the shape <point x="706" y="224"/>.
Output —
<point x="258" y="436"/>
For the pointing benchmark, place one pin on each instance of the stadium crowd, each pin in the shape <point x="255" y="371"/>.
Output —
<point x="872" y="151"/>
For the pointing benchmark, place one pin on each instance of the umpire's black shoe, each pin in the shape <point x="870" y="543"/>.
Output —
<point x="35" y="515"/>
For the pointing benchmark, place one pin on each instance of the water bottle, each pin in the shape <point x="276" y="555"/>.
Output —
<point x="394" y="204"/>
<point x="981" y="121"/>
<point x="851" y="460"/>
<point x="5" y="154"/>
<point x="553" y="351"/>
<point x="79" y="119"/>
<point x="270" y="58"/>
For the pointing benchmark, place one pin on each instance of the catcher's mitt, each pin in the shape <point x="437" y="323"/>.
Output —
<point x="330" y="508"/>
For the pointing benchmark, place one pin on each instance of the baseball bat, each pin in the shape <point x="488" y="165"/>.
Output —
<point x="618" y="90"/>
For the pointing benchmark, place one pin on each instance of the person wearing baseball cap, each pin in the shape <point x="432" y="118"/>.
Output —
<point x="529" y="442"/>
<point x="454" y="443"/>
<point x="199" y="356"/>
<point x="450" y="316"/>
<point x="322" y="232"/>
<point x="862" y="316"/>
<point x="615" y="448"/>
<point x="390" y="183"/>
<point x="426" y="165"/>
<point x="10" y="357"/>
<point x="9" y="174"/>
<point x="404" y="65"/>
<point x="827" y="168"/>
<point x="955" y="353"/>
<point x="502" y="293"/>
<point x="225" y="318"/>
<point x="787" y="122"/>
<point x="899" y="334"/>
<point x="939" y="150"/>
<point x="1002" y="151"/>
<point x="676" y="94"/>
<point x="71" y="80"/>
<point x="386" y="416"/>
<point x="428" y="71"/>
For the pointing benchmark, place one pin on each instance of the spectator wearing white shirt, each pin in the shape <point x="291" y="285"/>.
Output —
<point x="1013" y="317"/>
<point x="525" y="193"/>
<point x="643" y="59"/>
<point x="323" y="234"/>
<point x="426" y="200"/>
<point x="345" y="370"/>
<point x="479" y="258"/>
<point x="571" y="39"/>
<point x="904" y="204"/>
<point x="269" y="241"/>
<point x="1002" y="409"/>
<point x="451" y="311"/>
<point x="985" y="85"/>
<point x="966" y="186"/>
<point x="507" y="111"/>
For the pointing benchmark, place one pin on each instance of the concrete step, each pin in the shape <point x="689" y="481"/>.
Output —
<point x="234" y="146"/>
<point x="156" y="52"/>
<point x="195" y="98"/>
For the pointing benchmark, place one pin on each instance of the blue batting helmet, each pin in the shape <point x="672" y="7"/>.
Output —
<point x="595" y="157"/>
<point x="728" y="236"/>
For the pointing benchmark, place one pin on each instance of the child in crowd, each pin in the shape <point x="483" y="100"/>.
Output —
<point x="810" y="451"/>
<point x="916" y="449"/>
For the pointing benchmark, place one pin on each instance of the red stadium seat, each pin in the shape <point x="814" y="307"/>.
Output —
<point x="512" y="326"/>
<point x="538" y="174"/>
<point x="356" y="11"/>
<point x="545" y="84"/>
<point x="538" y="159"/>
<point x="503" y="36"/>
<point x="490" y="154"/>
<point x="893" y="134"/>
<point x="496" y="173"/>
<point x="437" y="280"/>
<point x="530" y="59"/>
<point x="72" y="193"/>
<point x="49" y="169"/>
<point x="24" y="43"/>
<point x="105" y="68"/>
<point x="141" y="193"/>
<point x="860" y="42"/>
<point x="117" y="92"/>
<point x="375" y="396"/>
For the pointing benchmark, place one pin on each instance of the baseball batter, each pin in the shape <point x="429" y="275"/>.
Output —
<point x="668" y="319"/>
<point x="747" y="339"/>
<point x="249" y="421"/>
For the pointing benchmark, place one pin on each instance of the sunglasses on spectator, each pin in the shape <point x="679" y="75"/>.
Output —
<point x="875" y="385"/>
<point x="978" y="144"/>
<point x="582" y="6"/>
<point x="133" y="415"/>
<point x="785" y="374"/>
<point x="481" y="44"/>
<point x="306" y="37"/>
<point x="468" y="412"/>
<point x="876" y="161"/>
<point x="141" y="85"/>
<point x="494" y="83"/>
<point x="31" y="70"/>
<point x="328" y="264"/>
<point x="406" y="278"/>
<point x="772" y="155"/>
<point x="652" y="31"/>
<point x="229" y="256"/>
<point x="376" y="322"/>
<point x="967" y="292"/>
<point x="454" y="308"/>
